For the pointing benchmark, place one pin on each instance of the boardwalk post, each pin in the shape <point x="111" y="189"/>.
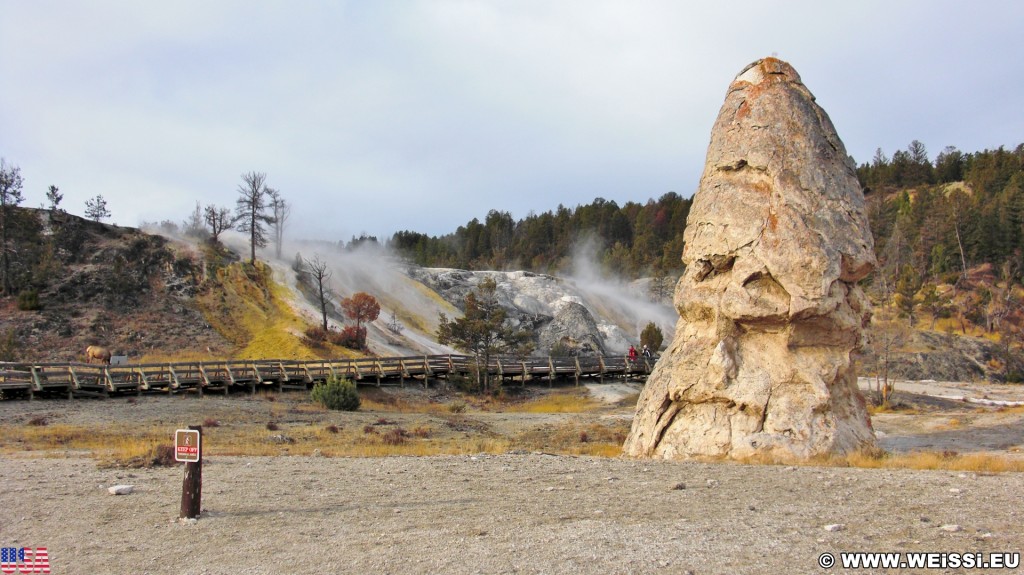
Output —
<point x="192" y="484"/>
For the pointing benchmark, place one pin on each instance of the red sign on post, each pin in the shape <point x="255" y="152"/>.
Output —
<point x="186" y="445"/>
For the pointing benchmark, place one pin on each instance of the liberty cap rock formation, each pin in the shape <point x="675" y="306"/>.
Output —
<point x="770" y="310"/>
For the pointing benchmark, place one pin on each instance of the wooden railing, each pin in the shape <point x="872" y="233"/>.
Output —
<point x="92" y="380"/>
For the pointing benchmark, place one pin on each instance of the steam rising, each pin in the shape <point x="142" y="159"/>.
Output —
<point x="621" y="309"/>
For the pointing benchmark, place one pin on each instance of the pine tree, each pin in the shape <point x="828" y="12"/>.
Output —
<point x="10" y="196"/>
<point x="483" y="330"/>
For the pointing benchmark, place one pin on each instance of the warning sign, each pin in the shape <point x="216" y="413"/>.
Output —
<point x="186" y="445"/>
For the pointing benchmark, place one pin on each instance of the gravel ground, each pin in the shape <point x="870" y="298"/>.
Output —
<point x="516" y="513"/>
<point x="513" y="513"/>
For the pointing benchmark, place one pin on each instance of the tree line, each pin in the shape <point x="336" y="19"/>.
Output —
<point x="948" y="214"/>
<point x="631" y="240"/>
<point x="937" y="220"/>
<point x="949" y="236"/>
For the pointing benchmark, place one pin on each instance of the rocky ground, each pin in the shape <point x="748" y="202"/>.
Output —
<point x="526" y="513"/>
<point x="510" y="513"/>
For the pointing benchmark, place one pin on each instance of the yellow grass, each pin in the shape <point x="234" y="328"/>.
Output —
<point x="446" y="307"/>
<point x="181" y="357"/>
<point x="559" y="402"/>
<point x="274" y="334"/>
<point x="122" y="445"/>
<point x="247" y="306"/>
<point x="575" y="438"/>
<point x="138" y="446"/>
<point x="920" y="460"/>
<point x="892" y="408"/>
<point x="977" y="462"/>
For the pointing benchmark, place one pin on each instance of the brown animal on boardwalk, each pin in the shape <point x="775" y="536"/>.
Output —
<point x="96" y="352"/>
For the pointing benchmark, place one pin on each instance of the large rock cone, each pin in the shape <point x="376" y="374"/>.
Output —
<point x="770" y="310"/>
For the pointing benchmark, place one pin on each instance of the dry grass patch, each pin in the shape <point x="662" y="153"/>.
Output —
<point x="576" y="438"/>
<point x="135" y="445"/>
<point x="893" y="407"/>
<point x="184" y="356"/>
<point x="875" y="458"/>
<point x="629" y="401"/>
<point x="934" y="460"/>
<point x="391" y="439"/>
<point x="557" y="402"/>
<point x="374" y="400"/>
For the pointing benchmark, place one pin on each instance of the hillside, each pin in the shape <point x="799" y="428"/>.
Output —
<point x="152" y="298"/>
<point x="949" y="239"/>
<point x="144" y="296"/>
<point x="83" y="283"/>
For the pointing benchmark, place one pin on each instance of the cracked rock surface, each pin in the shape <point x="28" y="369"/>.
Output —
<point x="770" y="310"/>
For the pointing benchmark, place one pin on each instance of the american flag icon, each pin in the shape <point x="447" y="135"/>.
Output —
<point x="24" y="560"/>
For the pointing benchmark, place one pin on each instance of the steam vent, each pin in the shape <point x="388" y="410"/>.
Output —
<point x="770" y="310"/>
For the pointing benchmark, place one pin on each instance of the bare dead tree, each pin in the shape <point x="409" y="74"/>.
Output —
<point x="193" y="226"/>
<point x="889" y="333"/>
<point x="218" y="220"/>
<point x="279" y="210"/>
<point x="394" y="325"/>
<point x="959" y="203"/>
<point x="250" y="210"/>
<point x="317" y="268"/>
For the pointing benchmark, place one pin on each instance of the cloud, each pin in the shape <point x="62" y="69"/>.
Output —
<point x="377" y="117"/>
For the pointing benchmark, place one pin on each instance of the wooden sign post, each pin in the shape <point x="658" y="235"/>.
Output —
<point x="188" y="447"/>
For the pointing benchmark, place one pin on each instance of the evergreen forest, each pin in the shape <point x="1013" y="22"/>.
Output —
<point x="932" y="221"/>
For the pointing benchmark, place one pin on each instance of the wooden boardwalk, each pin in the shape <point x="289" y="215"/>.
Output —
<point x="71" y="380"/>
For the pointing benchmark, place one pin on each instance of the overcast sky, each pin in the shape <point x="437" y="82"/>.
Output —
<point x="378" y="116"/>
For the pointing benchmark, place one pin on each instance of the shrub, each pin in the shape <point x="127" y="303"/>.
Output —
<point x="463" y="383"/>
<point x="336" y="393"/>
<point x="336" y="337"/>
<point x="315" y="336"/>
<point x="652" y="337"/>
<point x="561" y="349"/>
<point x="8" y="345"/>
<point x="28" y="300"/>
<point x="395" y="436"/>
<point x="163" y="456"/>
<point x="350" y="337"/>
